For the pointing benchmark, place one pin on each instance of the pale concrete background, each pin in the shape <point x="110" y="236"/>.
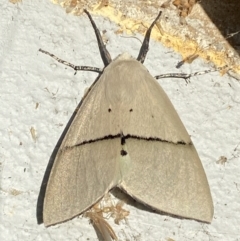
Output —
<point x="39" y="94"/>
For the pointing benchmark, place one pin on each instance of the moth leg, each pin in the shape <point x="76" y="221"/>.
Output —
<point x="144" y="49"/>
<point x="76" y="68"/>
<point x="187" y="76"/>
<point x="106" y="57"/>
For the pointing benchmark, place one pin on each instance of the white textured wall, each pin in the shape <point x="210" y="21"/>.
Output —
<point x="208" y="105"/>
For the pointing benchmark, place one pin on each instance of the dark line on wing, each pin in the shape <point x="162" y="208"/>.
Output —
<point x="120" y="135"/>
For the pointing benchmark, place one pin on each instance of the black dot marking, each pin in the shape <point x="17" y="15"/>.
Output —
<point x="131" y="110"/>
<point x="152" y="116"/>
<point x="123" y="153"/>
<point x="109" y="110"/>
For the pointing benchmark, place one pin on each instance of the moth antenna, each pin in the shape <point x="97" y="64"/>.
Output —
<point x="106" y="58"/>
<point x="144" y="49"/>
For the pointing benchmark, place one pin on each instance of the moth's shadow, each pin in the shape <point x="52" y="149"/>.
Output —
<point x="39" y="211"/>
<point x="121" y="195"/>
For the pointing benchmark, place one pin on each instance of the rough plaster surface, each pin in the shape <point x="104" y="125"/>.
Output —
<point x="38" y="96"/>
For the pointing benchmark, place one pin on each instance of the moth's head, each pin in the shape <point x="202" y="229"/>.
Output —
<point x="124" y="56"/>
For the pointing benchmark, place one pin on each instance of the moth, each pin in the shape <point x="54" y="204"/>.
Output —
<point x="124" y="133"/>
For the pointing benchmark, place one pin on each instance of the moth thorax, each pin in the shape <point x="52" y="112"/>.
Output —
<point x="121" y="82"/>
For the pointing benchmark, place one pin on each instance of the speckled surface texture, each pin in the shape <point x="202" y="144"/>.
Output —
<point x="38" y="94"/>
